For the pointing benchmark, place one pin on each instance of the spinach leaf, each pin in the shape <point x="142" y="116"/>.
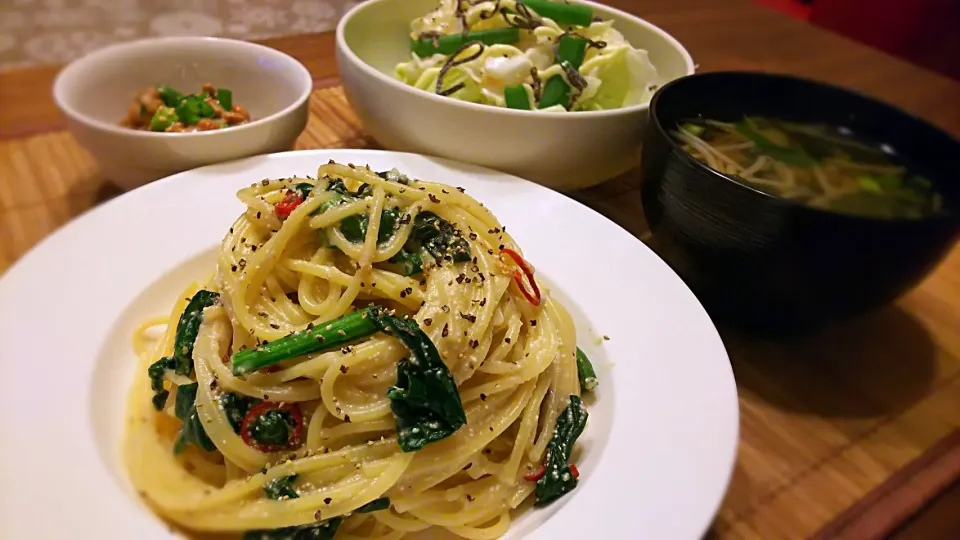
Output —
<point x="182" y="360"/>
<point x="440" y="238"/>
<point x="435" y="234"/>
<point x="272" y="428"/>
<point x="281" y="488"/>
<point x="365" y="190"/>
<point x="337" y="199"/>
<point x="191" y="431"/>
<point x="187" y="329"/>
<point x="315" y="531"/>
<point x="304" y="189"/>
<point x="388" y="224"/>
<point x="409" y="262"/>
<point x="157" y="371"/>
<point x="394" y="176"/>
<point x="585" y="371"/>
<point x="425" y="400"/>
<point x="375" y="505"/>
<point x="354" y="228"/>
<point x="338" y="186"/>
<point x="236" y="407"/>
<point x="557" y="479"/>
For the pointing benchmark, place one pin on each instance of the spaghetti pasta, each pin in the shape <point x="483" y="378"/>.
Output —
<point x="364" y="363"/>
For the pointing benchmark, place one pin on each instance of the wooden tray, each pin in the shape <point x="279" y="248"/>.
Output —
<point x="828" y="422"/>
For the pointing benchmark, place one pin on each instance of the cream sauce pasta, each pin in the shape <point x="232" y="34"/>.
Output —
<point x="372" y="357"/>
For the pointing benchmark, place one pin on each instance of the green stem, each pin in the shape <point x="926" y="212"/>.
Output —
<point x="429" y="46"/>
<point x="561" y="13"/>
<point x="333" y="334"/>
<point x="571" y="50"/>
<point x="516" y="97"/>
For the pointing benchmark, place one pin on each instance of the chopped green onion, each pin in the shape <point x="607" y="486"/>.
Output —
<point x="889" y="181"/>
<point x="189" y="111"/>
<point x="225" y="97"/>
<point x="450" y="44"/>
<point x="163" y="118"/>
<point x="516" y="97"/>
<point x="868" y="183"/>
<point x="786" y="154"/>
<point x="562" y="13"/>
<point x="170" y="97"/>
<point x="693" y="129"/>
<point x="206" y="110"/>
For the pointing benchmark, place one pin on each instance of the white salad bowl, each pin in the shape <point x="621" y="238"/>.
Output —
<point x="563" y="151"/>
<point x="95" y="92"/>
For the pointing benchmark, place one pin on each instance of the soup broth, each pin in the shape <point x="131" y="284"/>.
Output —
<point x="817" y="165"/>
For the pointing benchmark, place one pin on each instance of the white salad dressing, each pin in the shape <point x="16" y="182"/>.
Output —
<point x="506" y="70"/>
<point x="617" y="75"/>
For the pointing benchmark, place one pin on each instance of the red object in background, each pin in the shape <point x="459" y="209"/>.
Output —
<point x="925" y="32"/>
<point x="794" y="8"/>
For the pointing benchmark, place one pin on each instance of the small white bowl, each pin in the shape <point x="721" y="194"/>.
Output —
<point x="559" y="150"/>
<point x="95" y="92"/>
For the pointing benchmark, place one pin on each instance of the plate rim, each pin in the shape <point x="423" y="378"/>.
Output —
<point x="724" y="435"/>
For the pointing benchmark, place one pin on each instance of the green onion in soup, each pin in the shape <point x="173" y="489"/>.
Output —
<point x="817" y="165"/>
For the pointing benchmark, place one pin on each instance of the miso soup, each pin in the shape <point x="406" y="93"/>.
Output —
<point x="817" y="165"/>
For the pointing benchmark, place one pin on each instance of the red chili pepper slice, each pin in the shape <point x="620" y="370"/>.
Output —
<point x="534" y="476"/>
<point x="246" y="427"/>
<point x="526" y="269"/>
<point x="289" y="203"/>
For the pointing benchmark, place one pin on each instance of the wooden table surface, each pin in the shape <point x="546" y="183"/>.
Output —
<point x="851" y="433"/>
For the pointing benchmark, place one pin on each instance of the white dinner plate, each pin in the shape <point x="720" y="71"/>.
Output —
<point x="660" y="442"/>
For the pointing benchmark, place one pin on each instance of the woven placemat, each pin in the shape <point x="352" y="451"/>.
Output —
<point x="826" y="420"/>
